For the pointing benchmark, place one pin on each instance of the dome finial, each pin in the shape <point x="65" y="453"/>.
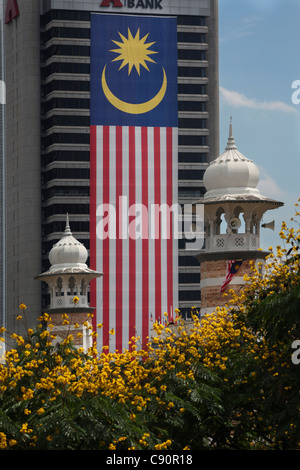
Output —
<point x="67" y="229"/>
<point x="231" y="142"/>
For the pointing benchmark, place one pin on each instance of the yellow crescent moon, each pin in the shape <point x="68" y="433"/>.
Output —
<point x="133" y="108"/>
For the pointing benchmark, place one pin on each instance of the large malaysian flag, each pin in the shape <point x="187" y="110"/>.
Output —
<point x="134" y="128"/>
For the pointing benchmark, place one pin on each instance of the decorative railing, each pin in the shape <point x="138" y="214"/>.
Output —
<point x="234" y="242"/>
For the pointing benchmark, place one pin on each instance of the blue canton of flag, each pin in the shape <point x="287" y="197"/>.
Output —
<point x="133" y="72"/>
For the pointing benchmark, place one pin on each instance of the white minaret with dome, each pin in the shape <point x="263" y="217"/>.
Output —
<point x="68" y="281"/>
<point x="68" y="253"/>
<point x="69" y="276"/>
<point x="231" y="174"/>
<point x="233" y="210"/>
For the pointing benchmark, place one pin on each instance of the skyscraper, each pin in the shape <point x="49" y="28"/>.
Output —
<point x="48" y="122"/>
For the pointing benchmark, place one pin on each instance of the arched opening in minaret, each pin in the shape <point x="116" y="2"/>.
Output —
<point x="83" y="287"/>
<point x="72" y="286"/>
<point x="254" y="224"/>
<point x="221" y="224"/>
<point x="239" y="214"/>
<point x="59" y="287"/>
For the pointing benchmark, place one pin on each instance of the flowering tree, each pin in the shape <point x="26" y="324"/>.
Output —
<point x="271" y="311"/>
<point x="226" y="382"/>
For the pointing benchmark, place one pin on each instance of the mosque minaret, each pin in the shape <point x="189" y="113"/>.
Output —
<point x="233" y="210"/>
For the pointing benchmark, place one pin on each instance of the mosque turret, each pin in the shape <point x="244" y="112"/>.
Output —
<point x="68" y="280"/>
<point x="233" y="210"/>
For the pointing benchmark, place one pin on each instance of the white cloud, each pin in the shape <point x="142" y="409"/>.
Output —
<point x="268" y="186"/>
<point x="234" y="29"/>
<point x="236" y="99"/>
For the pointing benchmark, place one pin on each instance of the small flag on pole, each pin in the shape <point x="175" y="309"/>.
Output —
<point x="232" y="268"/>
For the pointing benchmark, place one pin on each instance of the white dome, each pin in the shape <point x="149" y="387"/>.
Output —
<point x="68" y="252"/>
<point x="231" y="173"/>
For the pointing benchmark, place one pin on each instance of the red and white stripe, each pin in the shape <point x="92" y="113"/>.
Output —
<point x="229" y="275"/>
<point x="140" y="276"/>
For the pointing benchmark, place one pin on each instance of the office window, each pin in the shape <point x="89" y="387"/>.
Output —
<point x="192" y="72"/>
<point x="61" y="67"/>
<point x="189" y="295"/>
<point x="64" y="138"/>
<point x="191" y="20"/>
<point x="192" y="106"/>
<point x="69" y="103"/>
<point x="65" y="49"/>
<point x="192" y="140"/>
<point x="191" y="37"/>
<point x="191" y="54"/>
<point x="190" y="123"/>
<point x="191" y="192"/>
<point x="191" y="89"/>
<point x="185" y="157"/>
<point x="189" y="278"/>
<point x="190" y="174"/>
<point x="58" y="120"/>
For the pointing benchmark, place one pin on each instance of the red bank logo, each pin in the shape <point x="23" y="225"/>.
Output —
<point x="12" y="11"/>
<point x="145" y="4"/>
<point x="116" y="3"/>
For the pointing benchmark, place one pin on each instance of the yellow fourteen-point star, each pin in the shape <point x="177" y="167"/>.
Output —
<point x="134" y="51"/>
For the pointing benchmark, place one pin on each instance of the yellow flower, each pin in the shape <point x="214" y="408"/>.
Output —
<point x="22" y="306"/>
<point x="44" y="334"/>
<point x="25" y="429"/>
<point x="3" y="443"/>
<point x="163" y="445"/>
<point x="75" y="300"/>
<point x="112" y="331"/>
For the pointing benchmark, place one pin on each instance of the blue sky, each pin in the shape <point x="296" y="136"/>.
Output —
<point x="259" y="44"/>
